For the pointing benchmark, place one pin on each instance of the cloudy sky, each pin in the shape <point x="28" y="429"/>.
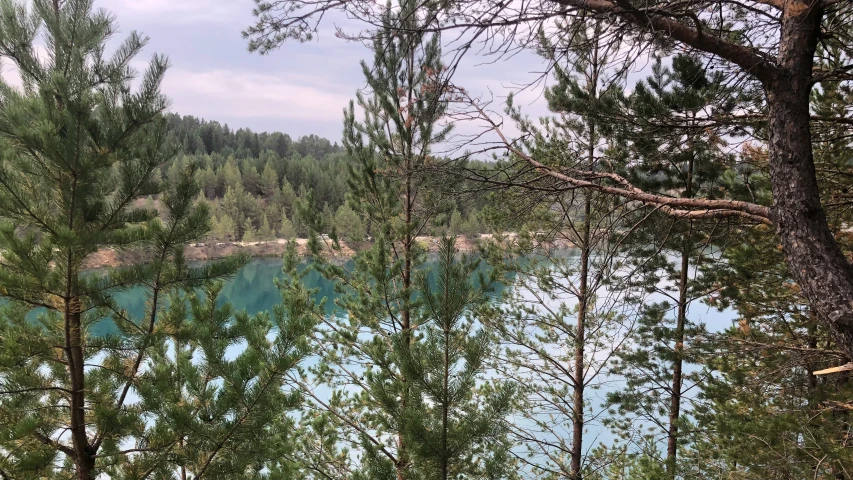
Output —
<point x="299" y="89"/>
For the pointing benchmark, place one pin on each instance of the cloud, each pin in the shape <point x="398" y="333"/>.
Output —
<point x="236" y="94"/>
<point x="183" y="11"/>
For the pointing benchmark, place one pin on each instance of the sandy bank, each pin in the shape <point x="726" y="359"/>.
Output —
<point x="271" y="248"/>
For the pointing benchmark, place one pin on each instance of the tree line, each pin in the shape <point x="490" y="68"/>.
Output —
<point x="251" y="181"/>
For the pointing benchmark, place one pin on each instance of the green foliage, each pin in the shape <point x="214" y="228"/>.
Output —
<point x="222" y="411"/>
<point x="415" y="376"/>
<point x="80" y="146"/>
<point x="349" y="225"/>
<point x="232" y="186"/>
<point x="285" y="229"/>
<point x="379" y="360"/>
<point x="675" y="158"/>
<point x="225" y="229"/>
<point x="455" y="226"/>
<point x="249" y="233"/>
<point x="265" y="232"/>
<point x="456" y="426"/>
<point x="269" y="180"/>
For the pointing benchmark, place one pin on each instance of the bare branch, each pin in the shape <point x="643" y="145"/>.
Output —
<point x="689" y="208"/>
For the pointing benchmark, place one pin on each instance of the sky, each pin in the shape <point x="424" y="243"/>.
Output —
<point x="299" y="89"/>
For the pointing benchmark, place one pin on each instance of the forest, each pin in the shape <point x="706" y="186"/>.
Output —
<point x="252" y="180"/>
<point x="697" y="157"/>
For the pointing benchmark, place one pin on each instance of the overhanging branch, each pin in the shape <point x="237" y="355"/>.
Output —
<point x="689" y="208"/>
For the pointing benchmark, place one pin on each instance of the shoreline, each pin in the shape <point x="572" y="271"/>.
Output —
<point x="205" y="251"/>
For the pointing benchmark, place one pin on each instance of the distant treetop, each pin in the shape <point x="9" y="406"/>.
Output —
<point x="198" y="136"/>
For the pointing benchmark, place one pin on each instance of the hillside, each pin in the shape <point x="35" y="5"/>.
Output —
<point x="252" y="181"/>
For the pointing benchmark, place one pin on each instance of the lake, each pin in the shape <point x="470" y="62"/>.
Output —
<point x="253" y="289"/>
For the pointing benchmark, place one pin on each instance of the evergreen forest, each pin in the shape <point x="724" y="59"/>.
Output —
<point x="651" y="281"/>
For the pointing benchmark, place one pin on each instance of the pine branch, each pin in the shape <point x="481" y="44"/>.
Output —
<point x="687" y="208"/>
<point x="657" y="22"/>
<point x="58" y="446"/>
<point x="376" y="443"/>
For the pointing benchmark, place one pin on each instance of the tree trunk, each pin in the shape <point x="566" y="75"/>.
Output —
<point x="814" y="258"/>
<point x="583" y="301"/>
<point x="403" y="463"/>
<point x="678" y="364"/>
<point x="580" y="339"/>
<point x="403" y="460"/>
<point x="445" y="397"/>
<point x="84" y="461"/>
<point x="681" y="320"/>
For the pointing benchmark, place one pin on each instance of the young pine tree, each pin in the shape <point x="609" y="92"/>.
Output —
<point x="79" y="147"/>
<point x="456" y="426"/>
<point x="669" y="154"/>
<point x="365" y="355"/>
<point x="265" y="232"/>
<point x="249" y="232"/>
<point x="562" y="322"/>
<point x="285" y="228"/>
<point x="211" y="414"/>
<point x="269" y="181"/>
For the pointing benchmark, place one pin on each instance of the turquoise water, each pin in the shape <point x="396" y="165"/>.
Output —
<point x="252" y="289"/>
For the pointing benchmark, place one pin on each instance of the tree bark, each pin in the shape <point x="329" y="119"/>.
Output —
<point x="84" y="460"/>
<point x="677" y="367"/>
<point x="681" y="321"/>
<point x="408" y="241"/>
<point x="580" y="339"/>
<point x="813" y="256"/>
<point x="583" y="293"/>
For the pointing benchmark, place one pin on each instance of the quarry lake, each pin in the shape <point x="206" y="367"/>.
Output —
<point x="253" y="289"/>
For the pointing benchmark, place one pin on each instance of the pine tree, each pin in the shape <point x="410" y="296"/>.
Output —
<point x="209" y="182"/>
<point x="671" y="155"/>
<point x="562" y="321"/>
<point x="328" y="219"/>
<point x="249" y="233"/>
<point x="405" y="89"/>
<point x="231" y="174"/>
<point x="455" y="425"/>
<point x="455" y="227"/>
<point x="363" y="354"/>
<point x="269" y="181"/>
<point x="226" y="229"/>
<point x="79" y="147"/>
<point x="231" y="203"/>
<point x="764" y="414"/>
<point x="176" y="169"/>
<point x="471" y="227"/>
<point x="285" y="197"/>
<point x="349" y="225"/>
<point x="266" y="232"/>
<point x="285" y="228"/>
<point x="226" y="413"/>
<point x="251" y="177"/>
